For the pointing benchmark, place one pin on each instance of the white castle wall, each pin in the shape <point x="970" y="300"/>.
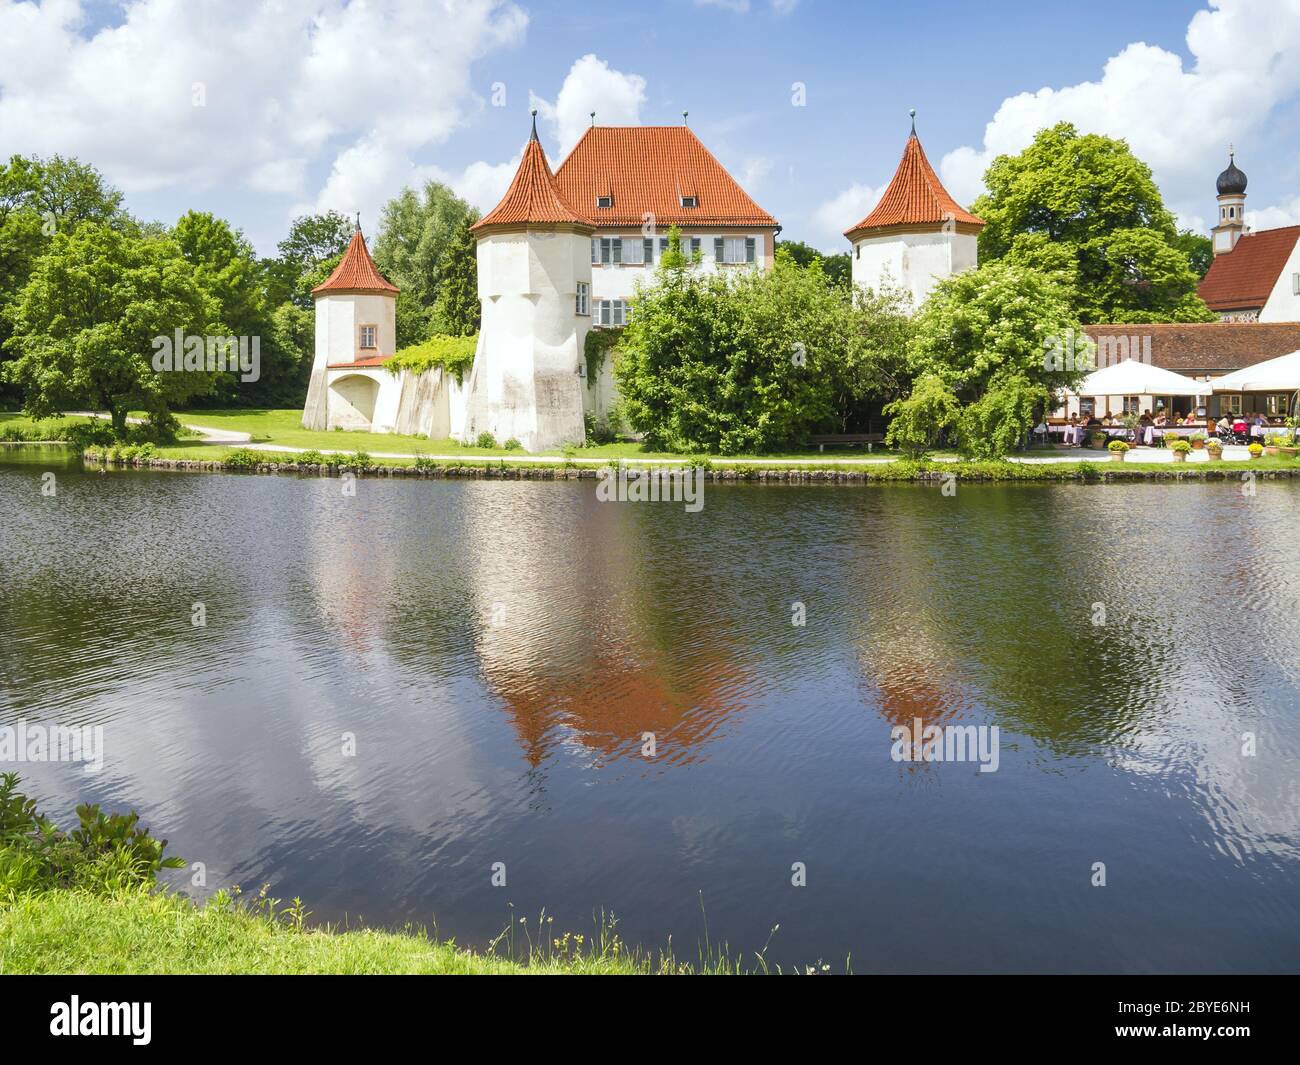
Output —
<point x="525" y="382"/>
<point x="916" y="261"/>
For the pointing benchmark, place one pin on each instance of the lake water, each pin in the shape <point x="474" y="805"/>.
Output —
<point x="497" y="652"/>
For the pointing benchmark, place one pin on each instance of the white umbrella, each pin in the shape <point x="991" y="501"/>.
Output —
<point x="1276" y="375"/>
<point x="1132" y="377"/>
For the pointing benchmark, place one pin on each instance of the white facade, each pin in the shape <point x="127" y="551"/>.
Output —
<point x="340" y="318"/>
<point x="527" y="381"/>
<point x="1283" y="303"/>
<point x="618" y="281"/>
<point x="914" y="259"/>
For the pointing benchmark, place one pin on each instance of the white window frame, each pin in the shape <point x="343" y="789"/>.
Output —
<point x="373" y="332"/>
<point x="1295" y="284"/>
<point x="1132" y="404"/>
<point x="1231" y="402"/>
<point x="604" y="202"/>
<point x="611" y="313"/>
<point x="582" y="299"/>
<point x="690" y="202"/>
<point x="633" y="251"/>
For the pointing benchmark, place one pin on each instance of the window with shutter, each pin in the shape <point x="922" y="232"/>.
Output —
<point x="751" y="249"/>
<point x="617" y="247"/>
<point x="648" y="250"/>
<point x="631" y="250"/>
<point x="719" y="254"/>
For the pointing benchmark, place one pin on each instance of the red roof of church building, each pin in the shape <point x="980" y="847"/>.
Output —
<point x="356" y="272"/>
<point x="533" y="196"/>
<point x="915" y="197"/>
<point x="649" y="170"/>
<point x="1243" y="278"/>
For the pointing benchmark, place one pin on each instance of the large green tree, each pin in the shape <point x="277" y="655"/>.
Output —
<point x="417" y="231"/>
<point x="85" y="324"/>
<point x="979" y="360"/>
<point x="740" y="361"/>
<point x="1084" y="207"/>
<point x="39" y="198"/>
<point x="837" y="267"/>
<point x="306" y="256"/>
<point x="457" y="311"/>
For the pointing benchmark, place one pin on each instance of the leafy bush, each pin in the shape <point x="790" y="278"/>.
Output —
<point x="485" y="440"/>
<point x="1181" y="446"/>
<point x="312" y="458"/>
<point x="452" y="354"/>
<point x="358" y="460"/>
<point x="104" y="853"/>
<point x="513" y="445"/>
<point x="599" y="343"/>
<point x="242" y="458"/>
<point x="1117" y="446"/>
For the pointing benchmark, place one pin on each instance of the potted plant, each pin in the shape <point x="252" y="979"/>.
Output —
<point x="1198" y="440"/>
<point x="1097" y="439"/>
<point x="1214" y="448"/>
<point x="1255" y="450"/>
<point x="1117" y="449"/>
<point x="1180" y="448"/>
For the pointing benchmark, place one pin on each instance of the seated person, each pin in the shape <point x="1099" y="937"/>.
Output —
<point x="1146" y="418"/>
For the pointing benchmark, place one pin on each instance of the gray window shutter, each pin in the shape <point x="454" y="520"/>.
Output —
<point x="595" y="250"/>
<point x="618" y="250"/>
<point x="750" y="249"/>
<point x="663" y="247"/>
<point x="648" y="250"/>
<point x="717" y="249"/>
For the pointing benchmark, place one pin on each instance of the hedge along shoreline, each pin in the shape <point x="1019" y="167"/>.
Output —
<point x="898" y="471"/>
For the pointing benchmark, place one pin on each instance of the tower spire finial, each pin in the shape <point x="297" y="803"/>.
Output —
<point x="593" y="118"/>
<point x="912" y="115"/>
<point x="534" y="134"/>
<point x="685" y="116"/>
<point x="358" y="221"/>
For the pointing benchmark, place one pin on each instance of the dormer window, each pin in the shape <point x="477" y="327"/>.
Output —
<point x="690" y="201"/>
<point x="604" y="201"/>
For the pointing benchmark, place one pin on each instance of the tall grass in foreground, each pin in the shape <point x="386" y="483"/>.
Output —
<point x="88" y="901"/>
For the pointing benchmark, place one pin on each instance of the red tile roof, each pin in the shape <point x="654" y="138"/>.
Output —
<point x="368" y="362"/>
<point x="1242" y="278"/>
<point x="1203" y="347"/>
<point x="533" y="196"/>
<point x="915" y="197"/>
<point x="356" y="272"/>
<point x="647" y="170"/>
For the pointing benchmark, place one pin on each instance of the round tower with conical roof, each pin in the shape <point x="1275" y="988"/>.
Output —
<point x="917" y="234"/>
<point x="1231" y="186"/>
<point x="534" y="283"/>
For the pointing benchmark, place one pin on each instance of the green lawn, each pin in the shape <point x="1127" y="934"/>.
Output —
<point x="65" y="931"/>
<point x="14" y="426"/>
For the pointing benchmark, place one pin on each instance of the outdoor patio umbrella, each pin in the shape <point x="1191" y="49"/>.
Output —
<point x="1276" y="375"/>
<point x="1132" y="377"/>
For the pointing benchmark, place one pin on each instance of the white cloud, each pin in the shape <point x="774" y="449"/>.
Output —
<point x="753" y="171"/>
<point x="284" y="88"/>
<point x="1284" y="214"/>
<point x="1180" y="120"/>
<point x="833" y="217"/>
<point x="591" y="85"/>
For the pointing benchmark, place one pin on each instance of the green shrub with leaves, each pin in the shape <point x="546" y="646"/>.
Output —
<point x="452" y="354"/>
<point x="104" y="853"/>
<point x="485" y="440"/>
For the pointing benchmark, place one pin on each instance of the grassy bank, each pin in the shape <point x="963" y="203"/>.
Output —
<point x="584" y="465"/>
<point x="142" y="932"/>
<point x="87" y="900"/>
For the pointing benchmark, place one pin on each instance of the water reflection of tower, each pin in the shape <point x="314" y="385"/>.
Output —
<point x="584" y="650"/>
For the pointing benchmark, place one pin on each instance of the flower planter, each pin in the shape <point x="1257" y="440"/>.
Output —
<point x="1180" y="456"/>
<point x="1118" y="456"/>
<point x="1216" y="455"/>
<point x="1197" y="445"/>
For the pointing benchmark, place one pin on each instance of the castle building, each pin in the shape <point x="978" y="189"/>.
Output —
<point x="563" y="253"/>
<point x="1255" y="277"/>
<point x="917" y="234"/>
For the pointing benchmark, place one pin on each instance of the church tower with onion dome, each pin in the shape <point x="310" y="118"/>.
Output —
<point x="534" y="283"/>
<point x="1231" y="185"/>
<point x="917" y="234"/>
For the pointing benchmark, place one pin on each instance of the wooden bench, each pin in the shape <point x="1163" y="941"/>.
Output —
<point x="870" y="439"/>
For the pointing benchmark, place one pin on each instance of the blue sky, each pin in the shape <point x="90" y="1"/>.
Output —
<point x="260" y="111"/>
